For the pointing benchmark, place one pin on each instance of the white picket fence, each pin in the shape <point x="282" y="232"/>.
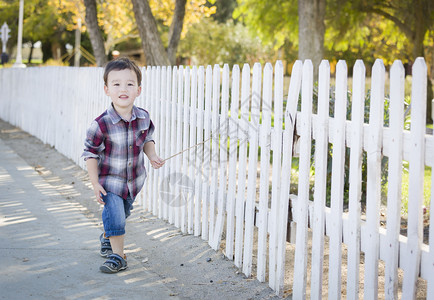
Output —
<point x="223" y="189"/>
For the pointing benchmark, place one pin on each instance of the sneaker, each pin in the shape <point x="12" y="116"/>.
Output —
<point x="114" y="264"/>
<point x="106" y="247"/>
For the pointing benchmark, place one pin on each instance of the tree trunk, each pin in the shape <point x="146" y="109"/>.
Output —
<point x="152" y="45"/>
<point x="94" y="33"/>
<point x="311" y="31"/>
<point x="416" y="39"/>
<point x="176" y="29"/>
<point x="31" y="52"/>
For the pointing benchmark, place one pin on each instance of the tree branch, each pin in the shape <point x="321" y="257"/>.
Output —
<point x="401" y="25"/>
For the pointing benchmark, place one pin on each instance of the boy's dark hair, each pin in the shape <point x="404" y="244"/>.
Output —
<point x="122" y="63"/>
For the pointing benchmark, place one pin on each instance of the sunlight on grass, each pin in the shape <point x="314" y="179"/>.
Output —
<point x="426" y="189"/>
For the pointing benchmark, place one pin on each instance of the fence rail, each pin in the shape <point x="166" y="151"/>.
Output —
<point x="233" y="188"/>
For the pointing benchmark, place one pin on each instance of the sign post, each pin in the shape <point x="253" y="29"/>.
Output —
<point x="4" y="36"/>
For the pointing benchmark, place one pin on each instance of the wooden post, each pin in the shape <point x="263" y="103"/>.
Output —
<point x="232" y="180"/>
<point x="300" y="261"/>
<point x="396" y="117"/>
<point x="198" y="183"/>
<point x="355" y="192"/>
<point x="241" y="194"/>
<point x="278" y="248"/>
<point x="252" y="175"/>
<point x="223" y="131"/>
<point x="173" y="142"/>
<point x="319" y="198"/>
<point x="337" y="184"/>
<point x="373" y="184"/>
<point x="265" y="144"/>
<point x="207" y="154"/>
<point x="416" y="174"/>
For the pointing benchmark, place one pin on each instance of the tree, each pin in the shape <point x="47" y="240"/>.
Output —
<point x="224" y="9"/>
<point x="95" y="33"/>
<point x="278" y="22"/>
<point x="151" y="41"/>
<point x="311" y="14"/>
<point x="414" y="18"/>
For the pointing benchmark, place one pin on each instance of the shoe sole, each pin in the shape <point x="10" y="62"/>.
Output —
<point x="106" y="269"/>
<point x="105" y="254"/>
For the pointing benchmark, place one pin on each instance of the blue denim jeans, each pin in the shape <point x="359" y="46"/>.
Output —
<point x="116" y="211"/>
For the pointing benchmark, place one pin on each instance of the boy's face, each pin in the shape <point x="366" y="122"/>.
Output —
<point x="122" y="88"/>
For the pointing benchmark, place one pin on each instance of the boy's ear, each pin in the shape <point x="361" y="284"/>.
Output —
<point x="106" y="89"/>
<point x="139" y="91"/>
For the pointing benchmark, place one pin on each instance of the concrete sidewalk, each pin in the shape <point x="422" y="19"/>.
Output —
<point x="49" y="249"/>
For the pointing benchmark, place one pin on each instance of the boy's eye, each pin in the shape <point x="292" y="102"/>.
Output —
<point x="130" y="84"/>
<point x="116" y="84"/>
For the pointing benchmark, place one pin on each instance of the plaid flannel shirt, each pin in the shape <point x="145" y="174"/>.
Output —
<point x="118" y="147"/>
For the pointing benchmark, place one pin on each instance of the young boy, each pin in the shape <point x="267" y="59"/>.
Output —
<point x="114" y="153"/>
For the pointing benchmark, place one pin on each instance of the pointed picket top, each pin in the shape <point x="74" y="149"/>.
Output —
<point x="307" y="83"/>
<point x="294" y="92"/>
<point x="256" y="93"/>
<point x="324" y="82"/>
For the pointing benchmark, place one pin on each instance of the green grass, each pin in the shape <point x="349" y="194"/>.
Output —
<point x="405" y="187"/>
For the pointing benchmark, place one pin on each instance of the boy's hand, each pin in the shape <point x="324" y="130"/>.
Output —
<point x="156" y="162"/>
<point x="99" y="191"/>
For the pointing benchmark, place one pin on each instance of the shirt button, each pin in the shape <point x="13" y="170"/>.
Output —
<point x="131" y="146"/>
<point x="143" y="131"/>
<point x="129" y="181"/>
<point x="129" y="164"/>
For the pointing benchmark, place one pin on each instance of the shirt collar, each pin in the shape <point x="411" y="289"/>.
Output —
<point x="135" y="113"/>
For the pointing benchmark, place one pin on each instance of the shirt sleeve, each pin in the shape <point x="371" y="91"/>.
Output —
<point x="94" y="142"/>
<point x="150" y="135"/>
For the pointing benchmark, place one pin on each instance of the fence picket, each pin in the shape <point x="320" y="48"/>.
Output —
<point x="166" y="150"/>
<point x="276" y="144"/>
<point x="171" y="196"/>
<point x="265" y="145"/>
<point x="321" y="151"/>
<point x="278" y="239"/>
<point x="223" y="131"/>
<point x="252" y="175"/>
<point x="152" y="174"/>
<point x="300" y="261"/>
<point x="416" y="174"/>
<point x="192" y="152"/>
<point x="160" y="133"/>
<point x="179" y="143"/>
<point x="355" y="173"/>
<point x="207" y="154"/>
<point x="185" y="181"/>
<point x="233" y="122"/>
<point x="396" y="117"/>
<point x="337" y="183"/>
<point x="213" y="193"/>
<point x="241" y="193"/>
<point x="373" y="184"/>
<point x="199" y="156"/>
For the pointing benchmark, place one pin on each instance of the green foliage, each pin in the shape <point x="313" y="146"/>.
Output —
<point x="209" y="42"/>
<point x="275" y="22"/>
